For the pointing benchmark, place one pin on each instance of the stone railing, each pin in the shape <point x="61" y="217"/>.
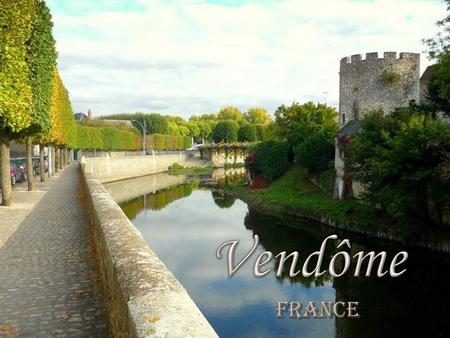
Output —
<point x="143" y="297"/>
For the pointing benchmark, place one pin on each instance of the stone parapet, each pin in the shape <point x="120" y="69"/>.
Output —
<point x="143" y="297"/>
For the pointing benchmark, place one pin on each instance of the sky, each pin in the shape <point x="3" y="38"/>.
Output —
<point x="184" y="57"/>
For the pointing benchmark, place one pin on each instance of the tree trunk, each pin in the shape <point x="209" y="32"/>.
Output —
<point x="53" y="160"/>
<point x="50" y="161"/>
<point x="60" y="159"/>
<point x="30" y="176"/>
<point x="42" y="160"/>
<point x="56" y="160"/>
<point x="5" y="175"/>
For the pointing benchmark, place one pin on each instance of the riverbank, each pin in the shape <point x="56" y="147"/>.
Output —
<point x="295" y="195"/>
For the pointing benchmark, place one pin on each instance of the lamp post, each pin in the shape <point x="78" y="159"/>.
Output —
<point x="144" y="132"/>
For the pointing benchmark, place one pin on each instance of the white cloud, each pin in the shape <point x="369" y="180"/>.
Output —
<point x="190" y="57"/>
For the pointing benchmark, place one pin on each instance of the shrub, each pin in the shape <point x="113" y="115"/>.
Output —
<point x="315" y="153"/>
<point x="225" y="131"/>
<point x="272" y="159"/>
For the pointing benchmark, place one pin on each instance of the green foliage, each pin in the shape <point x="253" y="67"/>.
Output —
<point x="315" y="153"/>
<point x="261" y="132"/>
<point x="205" y="129"/>
<point x="194" y="129"/>
<point x="247" y="133"/>
<point x="41" y="59"/>
<point x="440" y="44"/>
<point x="326" y="180"/>
<point x="258" y="116"/>
<point x="272" y="159"/>
<point x="16" y="18"/>
<point x="168" y="142"/>
<point x="225" y="131"/>
<point x="173" y="129"/>
<point x="295" y="194"/>
<point x="439" y="85"/>
<point x="299" y="121"/>
<point x="401" y="160"/>
<point x="155" y="123"/>
<point x="230" y="113"/>
<point x="390" y="77"/>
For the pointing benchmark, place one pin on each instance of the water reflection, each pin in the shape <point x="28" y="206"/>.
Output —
<point x="185" y="224"/>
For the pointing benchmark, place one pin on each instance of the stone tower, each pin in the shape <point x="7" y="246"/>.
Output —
<point x="372" y="83"/>
<point x="367" y="85"/>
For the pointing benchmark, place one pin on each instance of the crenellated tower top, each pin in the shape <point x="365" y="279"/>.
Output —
<point x="374" y="82"/>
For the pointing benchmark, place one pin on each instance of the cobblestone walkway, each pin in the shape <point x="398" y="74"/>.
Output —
<point x="48" y="280"/>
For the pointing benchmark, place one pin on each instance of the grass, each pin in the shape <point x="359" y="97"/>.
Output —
<point x="295" y="194"/>
<point x="179" y="169"/>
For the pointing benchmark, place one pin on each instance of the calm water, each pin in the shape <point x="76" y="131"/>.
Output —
<point x="185" y="224"/>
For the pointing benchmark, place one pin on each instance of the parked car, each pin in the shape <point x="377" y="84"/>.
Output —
<point x="17" y="170"/>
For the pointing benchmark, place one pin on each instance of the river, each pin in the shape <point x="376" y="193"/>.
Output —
<point x="186" y="222"/>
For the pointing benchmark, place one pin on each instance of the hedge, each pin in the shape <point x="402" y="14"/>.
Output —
<point x="168" y="142"/>
<point x="107" y="139"/>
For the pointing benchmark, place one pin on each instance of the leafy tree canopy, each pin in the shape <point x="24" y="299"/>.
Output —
<point x="16" y="18"/>
<point x="441" y="42"/>
<point x="41" y="59"/>
<point x="230" y="113"/>
<point x="258" y="116"/>
<point x="402" y="160"/>
<point x="439" y="85"/>
<point x="247" y="133"/>
<point x="299" y="121"/>
<point x="315" y="153"/>
<point x="155" y="123"/>
<point x="225" y="131"/>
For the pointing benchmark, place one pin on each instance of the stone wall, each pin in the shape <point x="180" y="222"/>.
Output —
<point x="108" y="169"/>
<point x="372" y="83"/>
<point x="143" y="297"/>
<point x="126" y="190"/>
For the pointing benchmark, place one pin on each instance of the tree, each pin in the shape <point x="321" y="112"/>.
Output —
<point x="439" y="85"/>
<point x="230" y="113"/>
<point x="272" y="159"/>
<point x="194" y="130"/>
<point x="258" y="116"/>
<point x="15" y="95"/>
<point x="225" y="131"/>
<point x="204" y="130"/>
<point x="299" y="121"/>
<point x="41" y="59"/>
<point x="440" y="44"/>
<point x="183" y="130"/>
<point x="155" y="123"/>
<point x="247" y="133"/>
<point x="315" y="153"/>
<point x="402" y="160"/>
<point x="173" y="129"/>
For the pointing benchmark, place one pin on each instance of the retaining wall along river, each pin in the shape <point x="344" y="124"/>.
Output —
<point x="143" y="297"/>
<point x="111" y="168"/>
